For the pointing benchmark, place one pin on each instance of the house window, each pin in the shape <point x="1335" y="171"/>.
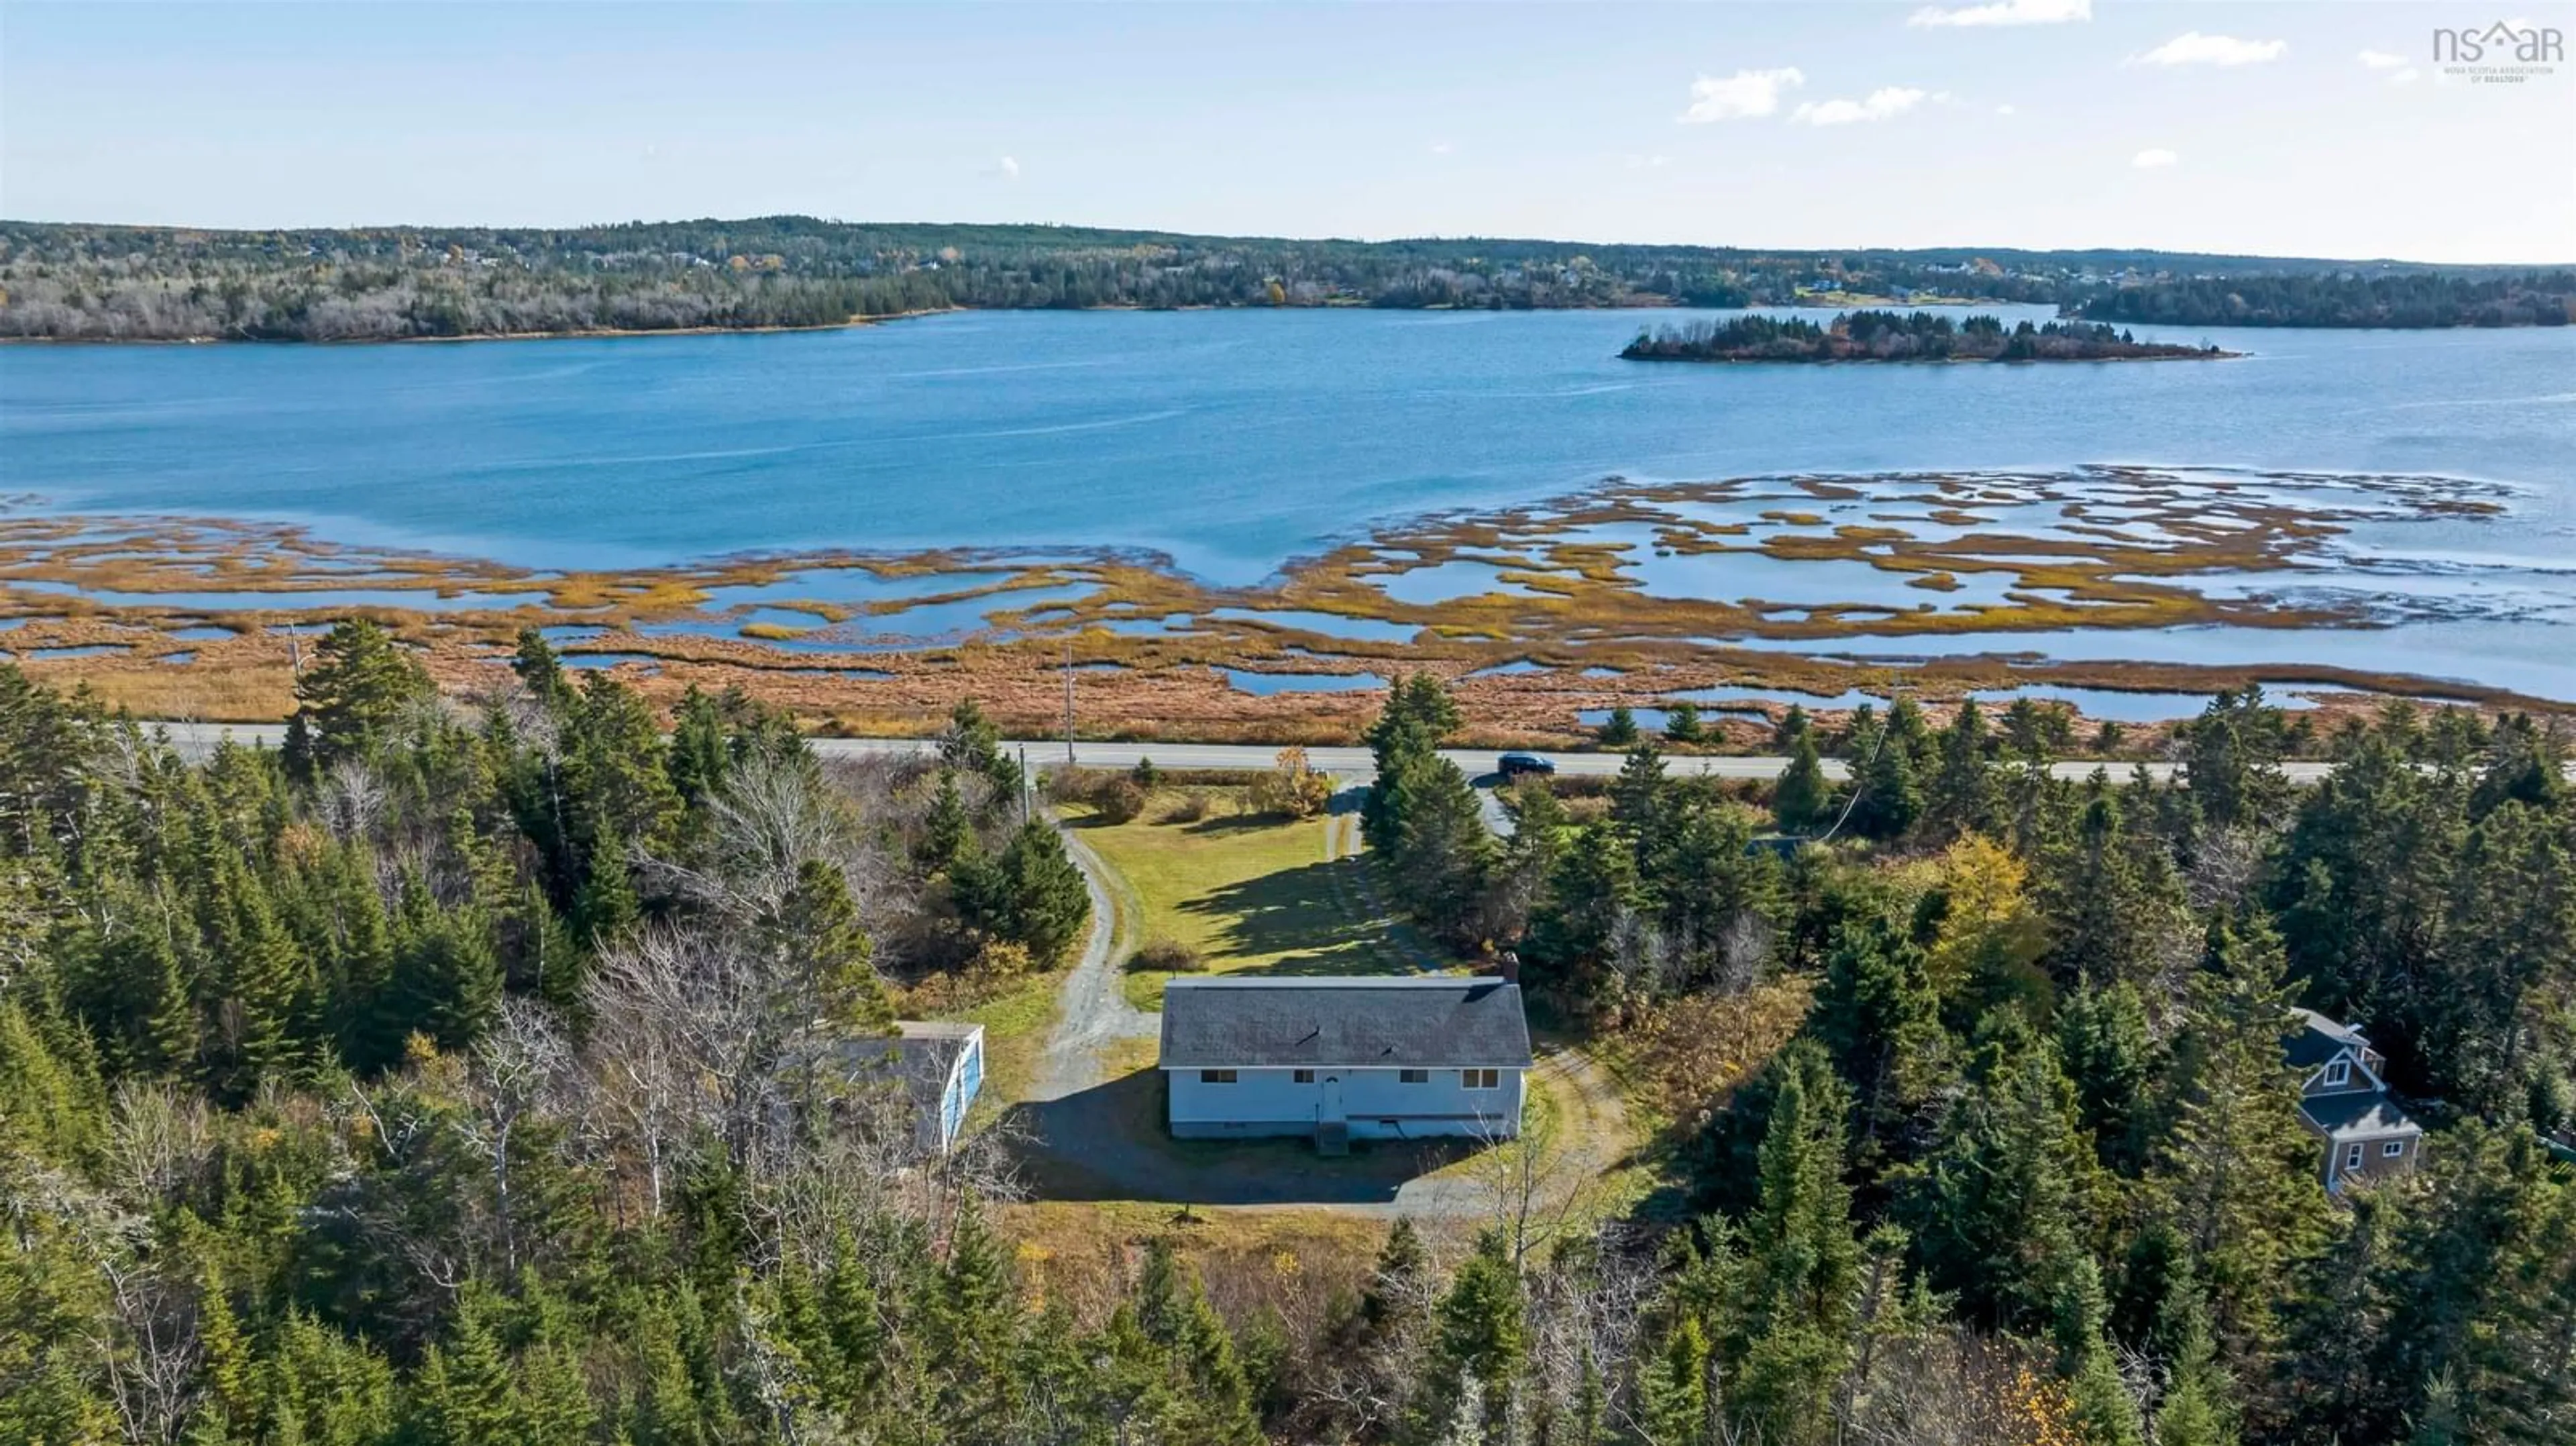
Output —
<point x="1216" y="1076"/>
<point x="2339" y="1072"/>
<point x="1302" y="1076"/>
<point x="1481" y="1079"/>
<point x="2352" y="1158"/>
<point x="1414" y="1076"/>
<point x="2393" y="1149"/>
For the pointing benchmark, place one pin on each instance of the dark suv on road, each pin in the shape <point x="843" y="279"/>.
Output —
<point x="1520" y="765"/>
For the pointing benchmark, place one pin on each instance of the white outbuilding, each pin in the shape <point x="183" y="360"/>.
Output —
<point x="1339" y="1059"/>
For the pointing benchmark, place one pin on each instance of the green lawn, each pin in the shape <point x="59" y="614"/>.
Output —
<point x="1251" y="894"/>
<point x="1016" y="1024"/>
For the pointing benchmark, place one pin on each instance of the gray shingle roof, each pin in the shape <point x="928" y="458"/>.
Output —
<point x="1428" y="1022"/>
<point x="2318" y="1039"/>
<point x="2357" y="1116"/>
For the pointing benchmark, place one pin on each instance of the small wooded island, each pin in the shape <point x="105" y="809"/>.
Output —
<point x="1887" y="336"/>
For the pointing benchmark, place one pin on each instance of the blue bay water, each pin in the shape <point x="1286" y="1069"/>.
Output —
<point x="1232" y="440"/>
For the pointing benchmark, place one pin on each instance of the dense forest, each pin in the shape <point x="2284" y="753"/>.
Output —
<point x="95" y="282"/>
<point x="1887" y="336"/>
<point x="2418" y="299"/>
<point x="457" y="1074"/>
<point x="2034" y="1122"/>
<point x="461" y="1072"/>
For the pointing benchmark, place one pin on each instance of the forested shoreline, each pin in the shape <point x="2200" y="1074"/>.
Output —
<point x="2419" y="301"/>
<point x="1887" y="336"/>
<point x="73" y="282"/>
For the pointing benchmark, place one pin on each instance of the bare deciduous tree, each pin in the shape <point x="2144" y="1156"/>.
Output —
<point x="351" y="798"/>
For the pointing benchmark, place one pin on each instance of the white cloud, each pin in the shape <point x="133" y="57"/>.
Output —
<point x="1648" y="163"/>
<point x="1441" y="148"/>
<point x="2404" y="77"/>
<point x="2193" y="48"/>
<point x="2381" y="60"/>
<point x="2004" y="109"/>
<point x="2005" y="12"/>
<point x="1745" y="93"/>
<point x="1007" y="168"/>
<point x="2155" y="159"/>
<point x="1884" y="103"/>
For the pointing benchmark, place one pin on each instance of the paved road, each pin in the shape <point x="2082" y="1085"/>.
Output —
<point x="1351" y="764"/>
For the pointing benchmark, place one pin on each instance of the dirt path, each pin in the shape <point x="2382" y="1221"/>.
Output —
<point x="1094" y="1015"/>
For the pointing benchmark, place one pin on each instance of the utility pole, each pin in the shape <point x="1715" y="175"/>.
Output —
<point x="1068" y="700"/>
<point x="1028" y="785"/>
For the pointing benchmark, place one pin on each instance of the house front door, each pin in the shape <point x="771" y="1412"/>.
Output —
<point x="1330" y="1111"/>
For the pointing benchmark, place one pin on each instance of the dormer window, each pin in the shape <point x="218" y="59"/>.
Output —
<point x="2339" y="1072"/>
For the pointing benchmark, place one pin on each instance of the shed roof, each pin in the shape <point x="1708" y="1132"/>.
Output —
<point x="919" y="1055"/>
<point x="1428" y="1022"/>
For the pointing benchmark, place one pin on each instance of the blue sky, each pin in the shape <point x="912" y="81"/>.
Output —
<point x="2309" y="129"/>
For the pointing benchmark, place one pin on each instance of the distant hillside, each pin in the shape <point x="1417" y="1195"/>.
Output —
<point x="2536" y="298"/>
<point x="95" y="282"/>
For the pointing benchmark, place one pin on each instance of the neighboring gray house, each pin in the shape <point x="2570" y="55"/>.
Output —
<point x="1343" y="1059"/>
<point x="940" y="1067"/>
<point x="2342" y="1097"/>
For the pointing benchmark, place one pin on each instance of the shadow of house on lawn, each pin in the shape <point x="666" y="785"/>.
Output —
<point x="1109" y="1143"/>
<point x="1290" y="912"/>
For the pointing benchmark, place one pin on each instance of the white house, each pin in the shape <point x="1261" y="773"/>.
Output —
<point x="1339" y="1059"/>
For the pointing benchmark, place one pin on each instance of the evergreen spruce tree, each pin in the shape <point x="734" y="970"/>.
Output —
<point x="817" y="928"/>
<point x="1673" y="1390"/>
<point x="2236" y="1170"/>
<point x="1638" y="802"/>
<point x="1031" y="893"/>
<point x="1961" y="797"/>
<point x="1879" y="1016"/>
<point x="2102" y="1036"/>
<point x="463" y="1394"/>
<point x="447" y="982"/>
<point x="360" y="683"/>
<point x="948" y="833"/>
<point x="700" y="755"/>
<point x="1890" y="773"/>
<point x="2005" y="1202"/>
<point x="2233" y="751"/>
<point x="1481" y="1340"/>
<point x="262" y="979"/>
<point x="970" y="1324"/>
<point x="606" y="908"/>
<point x="538" y="669"/>
<point x="2104" y="1411"/>
<point x="2112" y="897"/>
<point x="1801" y="1266"/>
<point x="1802" y="801"/>
<point x="2198" y="1407"/>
